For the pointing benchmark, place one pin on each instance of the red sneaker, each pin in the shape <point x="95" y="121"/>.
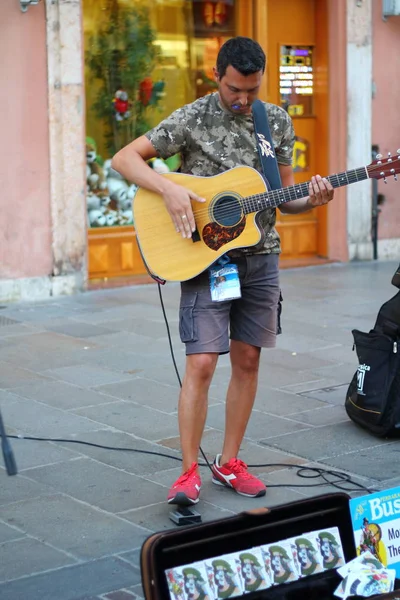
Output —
<point x="186" y="489"/>
<point x="234" y="474"/>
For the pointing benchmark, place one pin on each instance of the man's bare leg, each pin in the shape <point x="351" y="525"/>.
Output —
<point x="245" y="360"/>
<point x="193" y="400"/>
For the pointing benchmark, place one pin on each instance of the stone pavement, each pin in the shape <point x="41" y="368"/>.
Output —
<point x="97" y="368"/>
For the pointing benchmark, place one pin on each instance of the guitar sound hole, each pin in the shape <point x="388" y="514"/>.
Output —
<point x="227" y="211"/>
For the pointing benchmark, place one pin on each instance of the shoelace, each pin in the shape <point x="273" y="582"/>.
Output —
<point x="238" y="466"/>
<point x="187" y="475"/>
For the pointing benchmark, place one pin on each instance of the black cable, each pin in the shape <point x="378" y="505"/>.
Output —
<point x="301" y="471"/>
<point x="173" y="357"/>
<point x="315" y="471"/>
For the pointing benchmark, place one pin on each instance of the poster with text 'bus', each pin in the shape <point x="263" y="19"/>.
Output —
<point x="376" y="526"/>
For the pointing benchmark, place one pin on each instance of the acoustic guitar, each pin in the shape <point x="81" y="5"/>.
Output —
<point x="228" y="218"/>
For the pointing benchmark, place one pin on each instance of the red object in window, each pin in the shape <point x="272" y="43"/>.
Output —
<point x="145" y="91"/>
<point x="121" y="106"/>
<point x="215" y="13"/>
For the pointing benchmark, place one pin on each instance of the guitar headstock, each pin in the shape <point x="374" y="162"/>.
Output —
<point x="381" y="167"/>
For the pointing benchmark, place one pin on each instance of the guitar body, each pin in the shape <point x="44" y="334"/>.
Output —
<point x="222" y="224"/>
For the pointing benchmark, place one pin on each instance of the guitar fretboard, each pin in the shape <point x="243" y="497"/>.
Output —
<point x="274" y="198"/>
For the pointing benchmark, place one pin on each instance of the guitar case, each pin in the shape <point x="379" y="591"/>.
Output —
<point x="162" y="552"/>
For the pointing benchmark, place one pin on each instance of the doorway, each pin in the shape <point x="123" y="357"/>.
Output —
<point x="296" y="42"/>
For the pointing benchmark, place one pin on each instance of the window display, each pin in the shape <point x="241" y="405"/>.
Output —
<point x="143" y="59"/>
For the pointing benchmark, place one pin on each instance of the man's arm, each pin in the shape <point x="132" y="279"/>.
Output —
<point x="131" y="163"/>
<point x="320" y="192"/>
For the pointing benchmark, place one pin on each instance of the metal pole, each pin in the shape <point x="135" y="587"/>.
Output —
<point x="374" y="208"/>
<point x="8" y="455"/>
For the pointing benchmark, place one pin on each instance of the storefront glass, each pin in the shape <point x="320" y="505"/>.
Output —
<point x="143" y="59"/>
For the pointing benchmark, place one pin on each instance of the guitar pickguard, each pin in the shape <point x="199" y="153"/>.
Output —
<point x="215" y="235"/>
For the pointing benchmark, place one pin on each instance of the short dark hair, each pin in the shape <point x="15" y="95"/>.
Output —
<point x="243" y="54"/>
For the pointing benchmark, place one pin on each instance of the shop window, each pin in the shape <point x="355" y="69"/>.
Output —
<point x="143" y="59"/>
<point x="296" y="79"/>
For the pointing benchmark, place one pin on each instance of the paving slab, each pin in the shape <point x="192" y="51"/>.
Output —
<point x="80" y="530"/>
<point x="63" y="395"/>
<point x="260" y="426"/>
<point x="71" y="583"/>
<point x="130" y="361"/>
<point x="10" y="378"/>
<point x="132" y="418"/>
<point x="156" y="516"/>
<point x="31" y="453"/>
<point x="97" y="368"/>
<point x="88" y="376"/>
<point x="11" y="329"/>
<point x="28" y="556"/>
<point x="332" y="395"/>
<point x="324" y="442"/>
<point x="98" y="485"/>
<point x="8" y="533"/>
<point x="380" y="462"/>
<point x="323" y="415"/>
<point x="131" y="454"/>
<point x="283" y="403"/>
<point x="149" y="328"/>
<point x="36" y="419"/>
<point x="19" y="488"/>
<point x="158" y="395"/>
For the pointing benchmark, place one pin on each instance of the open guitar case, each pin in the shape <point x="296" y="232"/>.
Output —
<point x="184" y="546"/>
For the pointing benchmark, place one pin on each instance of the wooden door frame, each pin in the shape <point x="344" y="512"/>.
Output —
<point x="252" y="21"/>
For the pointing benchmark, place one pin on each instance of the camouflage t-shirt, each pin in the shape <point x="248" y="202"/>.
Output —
<point x="210" y="140"/>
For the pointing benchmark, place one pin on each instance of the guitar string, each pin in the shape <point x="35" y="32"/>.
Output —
<point x="273" y="198"/>
<point x="270" y="198"/>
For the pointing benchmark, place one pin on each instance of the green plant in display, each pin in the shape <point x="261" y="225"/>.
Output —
<point x="121" y="57"/>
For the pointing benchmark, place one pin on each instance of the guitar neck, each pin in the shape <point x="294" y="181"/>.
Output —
<point x="274" y="198"/>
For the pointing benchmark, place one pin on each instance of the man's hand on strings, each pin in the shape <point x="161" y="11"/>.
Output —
<point x="178" y="202"/>
<point x="320" y="191"/>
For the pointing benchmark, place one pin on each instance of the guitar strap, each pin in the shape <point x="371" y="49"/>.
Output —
<point x="265" y="146"/>
<point x="269" y="163"/>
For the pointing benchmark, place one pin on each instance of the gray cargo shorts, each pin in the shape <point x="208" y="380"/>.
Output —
<point x="206" y="326"/>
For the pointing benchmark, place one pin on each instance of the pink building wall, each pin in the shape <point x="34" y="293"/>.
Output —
<point x="25" y="222"/>
<point x="385" y="111"/>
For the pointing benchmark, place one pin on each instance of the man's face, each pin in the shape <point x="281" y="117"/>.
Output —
<point x="190" y="586"/>
<point x="325" y="549"/>
<point x="303" y="556"/>
<point x="220" y="577"/>
<point x="247" y="570"/>
<point x="276" y="563"/>
<point x="237" y="92"/>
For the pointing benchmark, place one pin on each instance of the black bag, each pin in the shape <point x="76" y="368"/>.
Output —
<point x="373" y="396"/>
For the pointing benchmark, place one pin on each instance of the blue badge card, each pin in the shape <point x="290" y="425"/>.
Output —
<point x="376" y="526"/>
<point x="224" y="283"/>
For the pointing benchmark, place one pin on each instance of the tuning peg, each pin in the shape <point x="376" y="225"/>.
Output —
<point x="398" y="150"/>
<point x="379" y="156"/>
<point x="389" y="154"/>
<point x="395" y="177"/>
